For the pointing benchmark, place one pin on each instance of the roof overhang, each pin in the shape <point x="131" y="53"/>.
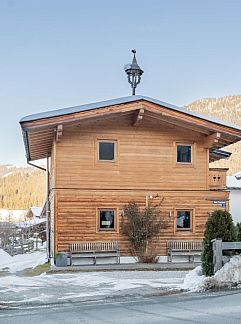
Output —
<point x="216" y="154"/>
<point x="39" y="130"/>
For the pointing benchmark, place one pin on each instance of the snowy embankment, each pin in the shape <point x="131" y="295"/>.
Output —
<point x="21" y="261"/>
<point x="51" y="288"/>
<point x="228" y="276"/>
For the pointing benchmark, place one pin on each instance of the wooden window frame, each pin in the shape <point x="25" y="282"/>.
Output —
<point x="193" y="154"/>
<point x="116" y="221"/>
<point x="190" y="230"/>
<point x="115" y="142"/>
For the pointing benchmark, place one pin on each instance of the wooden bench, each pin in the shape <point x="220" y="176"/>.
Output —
<point x="186" y="248"/>
<point x="94" y="250"/>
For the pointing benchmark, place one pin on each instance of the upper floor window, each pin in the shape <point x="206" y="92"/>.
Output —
<point x="106" y="150"/>
<point x="184" y="153"/>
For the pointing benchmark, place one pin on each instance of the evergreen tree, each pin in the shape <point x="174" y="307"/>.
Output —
<point x="219" y="226"/>
<point x="238" y="231"/>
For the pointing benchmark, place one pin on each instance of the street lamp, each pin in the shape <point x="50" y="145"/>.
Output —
<point x="134" y="73"/>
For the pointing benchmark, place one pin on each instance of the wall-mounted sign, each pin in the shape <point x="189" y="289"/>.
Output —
<point x="222" y="203"/>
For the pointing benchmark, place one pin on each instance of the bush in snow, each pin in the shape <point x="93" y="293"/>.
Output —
<point x="219" y="226"/>
<point x="142" y="228"/>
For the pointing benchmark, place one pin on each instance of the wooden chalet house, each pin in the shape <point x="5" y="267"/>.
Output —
<point x="106" y="154"/>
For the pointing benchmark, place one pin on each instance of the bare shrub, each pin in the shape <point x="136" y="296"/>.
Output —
<point x="142" y="228"/>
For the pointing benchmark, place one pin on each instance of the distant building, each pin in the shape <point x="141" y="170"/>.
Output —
<point x="34" y="212"/>
<point x="234" y="185"/>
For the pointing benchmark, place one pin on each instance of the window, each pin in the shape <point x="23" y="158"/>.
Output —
<point x="106" y="220"/>
<point x="106" y="150"/>
<point x="184" y="220"/>
<point x="184" y="153"/>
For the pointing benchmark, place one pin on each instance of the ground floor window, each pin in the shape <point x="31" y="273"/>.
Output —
<point x="107" y="220"/>
<point x="183" y="220"/>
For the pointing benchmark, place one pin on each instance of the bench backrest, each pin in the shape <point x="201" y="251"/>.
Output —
<point x="94" y="246"/>
<point x="185" y="245"/>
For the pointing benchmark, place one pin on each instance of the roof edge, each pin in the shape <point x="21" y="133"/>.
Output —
<point x="124" y="100"/>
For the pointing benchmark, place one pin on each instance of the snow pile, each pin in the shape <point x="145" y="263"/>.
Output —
<point x="228" y="276"/>
<point x="21" y="261"/>
<point x="231" y="271"/>
<point x="193" y="279"/>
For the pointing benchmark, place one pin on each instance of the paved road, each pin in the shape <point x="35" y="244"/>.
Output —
<point x="182" y="308"/>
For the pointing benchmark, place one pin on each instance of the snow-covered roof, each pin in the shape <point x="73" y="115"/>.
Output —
<point x="32" y="222"/>
<point x="36" y="211"/>
<point x="234" y="182"/>
<point x="123" y="100"/>
<point x="238" y="175"/>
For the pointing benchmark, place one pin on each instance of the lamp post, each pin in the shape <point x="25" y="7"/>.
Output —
<point x="134" y="73"/>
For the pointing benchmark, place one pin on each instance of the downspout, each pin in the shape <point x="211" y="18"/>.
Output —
<point x="49" y="254"/>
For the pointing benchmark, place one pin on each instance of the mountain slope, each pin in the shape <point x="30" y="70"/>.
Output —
<point x="226" y="108"/>
<point x="21" y="187"/>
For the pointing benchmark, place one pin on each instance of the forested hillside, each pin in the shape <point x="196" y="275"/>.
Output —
<point x="21" y="188"/>
<point x="226" y="108"/>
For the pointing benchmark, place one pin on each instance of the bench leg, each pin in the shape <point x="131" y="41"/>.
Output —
<point x="191" y="258"/>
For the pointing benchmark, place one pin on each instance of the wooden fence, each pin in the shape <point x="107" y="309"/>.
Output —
<point x="20" y="248"/>
<point x="218" y="247"/>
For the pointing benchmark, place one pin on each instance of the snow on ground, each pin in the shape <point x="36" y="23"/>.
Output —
<point x="4" y="257"/>
<point x="21" y="261"/>
<point x="229" y="275"/>
<point x="52" y="288"/>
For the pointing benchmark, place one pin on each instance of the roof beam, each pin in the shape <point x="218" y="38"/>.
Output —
<point x="212" y="140"/>
<point x="138" y="117"/>
<point x="59" y="133"/>
<point x="164" y="118"/>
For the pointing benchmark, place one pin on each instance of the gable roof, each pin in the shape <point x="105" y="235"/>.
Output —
<point x="39" y="129"/>
<point x="123" y="100"/>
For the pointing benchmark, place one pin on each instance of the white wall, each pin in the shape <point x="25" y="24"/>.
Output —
<point x="235" y="205"/>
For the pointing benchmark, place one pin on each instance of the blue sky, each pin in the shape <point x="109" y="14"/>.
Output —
<point x="61" y="53"/>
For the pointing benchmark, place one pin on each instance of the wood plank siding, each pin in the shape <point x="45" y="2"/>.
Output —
<point x="77" y="209"/>
<point x="146" y="158"/>
<point x="145" y="164"/>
